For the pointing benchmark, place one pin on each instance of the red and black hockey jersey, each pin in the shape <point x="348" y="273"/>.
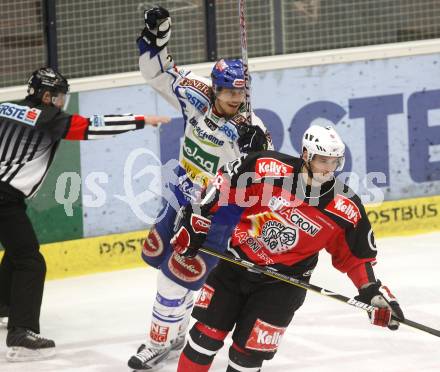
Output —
<point x="282" y="222"/>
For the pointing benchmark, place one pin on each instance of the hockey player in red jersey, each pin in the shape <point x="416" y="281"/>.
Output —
<point x="285" y="210"/>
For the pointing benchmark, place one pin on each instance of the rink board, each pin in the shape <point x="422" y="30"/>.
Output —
<point x="405" y="217"/>
<point x="90" y="255"/>
<point x="382" y="100"/>
<point x="123" y="251"/>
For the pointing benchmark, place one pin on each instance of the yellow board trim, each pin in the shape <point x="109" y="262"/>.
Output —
<point x="92" y="255"/>
<point x="405" y="217"/>
<point x="89" y="255"/>
<point x="123" y="251"/>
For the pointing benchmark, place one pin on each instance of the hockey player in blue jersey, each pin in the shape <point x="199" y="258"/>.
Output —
<point x="216" y="132"/>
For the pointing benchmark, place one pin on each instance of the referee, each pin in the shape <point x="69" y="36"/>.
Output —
<point x="30" y="132"/>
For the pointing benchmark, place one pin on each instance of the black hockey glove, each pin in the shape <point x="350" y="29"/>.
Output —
<point x="157" y="29"/>
<point x="251" y="138"/>
<point x="190" y="232"/>
<point x="380" y="297"/>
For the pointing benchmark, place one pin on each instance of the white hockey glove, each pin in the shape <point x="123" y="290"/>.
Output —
<point x="379" y="296"/>
<point x="157" y="29"/>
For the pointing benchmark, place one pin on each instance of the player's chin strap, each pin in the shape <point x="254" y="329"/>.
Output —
<point x="310" y="178"/>
<point x="271" y="272"/>
<point x="309" y="170"/>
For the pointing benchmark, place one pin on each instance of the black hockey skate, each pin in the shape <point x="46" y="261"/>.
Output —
<point x="150" y="358"/>
<point x="25" y="345"/>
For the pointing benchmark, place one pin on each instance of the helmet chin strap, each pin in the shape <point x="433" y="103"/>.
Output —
<point x="309" y="172"/>
<point x="310" y="177"/>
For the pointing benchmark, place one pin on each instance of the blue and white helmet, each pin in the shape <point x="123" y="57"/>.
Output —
<point x="227" y="73"/>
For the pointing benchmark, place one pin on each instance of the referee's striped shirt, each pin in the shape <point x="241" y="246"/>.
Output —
<point x="30" y="135"/>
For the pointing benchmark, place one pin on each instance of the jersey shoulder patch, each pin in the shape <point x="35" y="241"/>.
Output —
<point x="344" y="208"/>
<point x="271" y="167"/>
<point x="23" y="114"/>
<point x="197" y="93"/>
<point x="239" y="119"/>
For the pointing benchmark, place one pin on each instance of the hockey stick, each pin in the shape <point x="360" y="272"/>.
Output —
<point x="244" y="57"/>
<point x="268" y="271"/>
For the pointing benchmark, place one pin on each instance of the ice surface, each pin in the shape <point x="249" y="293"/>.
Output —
<point x="99" y="320"/>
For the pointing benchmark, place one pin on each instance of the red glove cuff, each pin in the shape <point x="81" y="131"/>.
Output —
<point x="181" y="240"/>
<point x="200" y="224"/>
<point x="381" y="317"/>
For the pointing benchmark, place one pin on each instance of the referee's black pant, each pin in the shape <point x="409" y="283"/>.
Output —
<point x="22" y="269"/>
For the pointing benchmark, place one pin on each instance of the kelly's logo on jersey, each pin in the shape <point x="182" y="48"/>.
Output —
<point x="344" y="208"/>
<point x="269" y="167"/>
<point x="23" y="114"/>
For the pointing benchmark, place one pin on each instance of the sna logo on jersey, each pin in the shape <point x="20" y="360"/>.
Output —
<point x="270" y="167"/>
<point x="345" y="208"/>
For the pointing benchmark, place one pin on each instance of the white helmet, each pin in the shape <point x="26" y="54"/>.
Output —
<point x="323" y="141"/>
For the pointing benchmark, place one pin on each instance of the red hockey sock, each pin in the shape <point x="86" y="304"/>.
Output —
<point x="186" y="365"/>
